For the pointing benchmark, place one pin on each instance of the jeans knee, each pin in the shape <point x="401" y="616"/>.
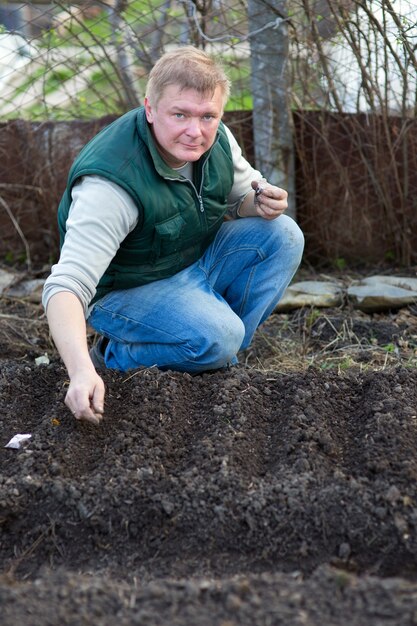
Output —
<point x="291" y="230"/>
<point x="297" y="237"/>
<point x="290" y="237"/>
<point x="219" y="342"/>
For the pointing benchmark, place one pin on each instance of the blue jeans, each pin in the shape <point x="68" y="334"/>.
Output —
<point x="200" y="318"/>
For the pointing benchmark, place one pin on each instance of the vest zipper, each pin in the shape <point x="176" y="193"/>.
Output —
<point x="186" y="180"/>
<point x="199" y="194"/>
<point x="190" y="182"/>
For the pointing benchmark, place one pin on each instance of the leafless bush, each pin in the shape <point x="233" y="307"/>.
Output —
<point x="351" y="62"/>
<point x="356" y="64"/>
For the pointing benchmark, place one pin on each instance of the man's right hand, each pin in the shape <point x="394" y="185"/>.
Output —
<point x="85" y="396"/>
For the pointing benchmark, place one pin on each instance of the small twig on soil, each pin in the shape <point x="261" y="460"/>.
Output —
<point x="139" y="371"/>
<point x="19" y="319"/>
<point x="27" y="553"/>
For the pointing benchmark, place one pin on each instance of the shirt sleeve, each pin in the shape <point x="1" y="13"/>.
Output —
<point x="244" y="174"/>
<point x="100" y="217"/>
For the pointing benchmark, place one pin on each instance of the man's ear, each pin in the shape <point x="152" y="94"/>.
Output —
<point x="148" y="110"/>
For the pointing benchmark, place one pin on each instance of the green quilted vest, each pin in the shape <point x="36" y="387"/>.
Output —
<point x="177" y="219"/>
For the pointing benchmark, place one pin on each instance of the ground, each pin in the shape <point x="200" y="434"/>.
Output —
<point x="281" y="491"/>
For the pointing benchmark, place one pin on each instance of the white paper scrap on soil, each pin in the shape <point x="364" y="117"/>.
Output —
<point x="17" y="440"/>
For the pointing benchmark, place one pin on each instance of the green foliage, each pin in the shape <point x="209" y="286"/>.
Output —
<point x="327" y="365"/>
<point x="78" y="46"/>
<point x="11" y="258"/>
<point x="50" y="40"/>
<point x="342" y="579"/>
<point x="240" y="102"/>
<point x="312" y="317"/>
<point x="79" y="33"/>
<point x="389" y="256"/>
<point x="340" y="263"/>
<point x="54" y="79"/>
<point x="31" y="80"/>
<point x="240" y="94"/>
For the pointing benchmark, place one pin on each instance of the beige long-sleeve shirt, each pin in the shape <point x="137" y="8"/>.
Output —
<point x="93" y="237"/>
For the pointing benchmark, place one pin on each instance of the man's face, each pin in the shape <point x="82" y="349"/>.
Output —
<point x="184" y="123"/>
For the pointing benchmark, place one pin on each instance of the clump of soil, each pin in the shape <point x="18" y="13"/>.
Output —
<point x="281" y="491"/>
<point x="235" y="497"/>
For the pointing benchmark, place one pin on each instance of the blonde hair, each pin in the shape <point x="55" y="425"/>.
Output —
<point x="189" y="68"/>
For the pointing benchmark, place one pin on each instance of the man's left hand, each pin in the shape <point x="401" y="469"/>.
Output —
<point x="269" y="201"/>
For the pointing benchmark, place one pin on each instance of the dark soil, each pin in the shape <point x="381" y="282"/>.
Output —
<point x="250" y="496"/>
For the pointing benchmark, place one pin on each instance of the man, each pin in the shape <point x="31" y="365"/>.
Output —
<point x="147" y="255"/>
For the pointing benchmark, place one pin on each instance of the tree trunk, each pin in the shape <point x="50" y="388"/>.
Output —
<point x="272" y="120"/>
